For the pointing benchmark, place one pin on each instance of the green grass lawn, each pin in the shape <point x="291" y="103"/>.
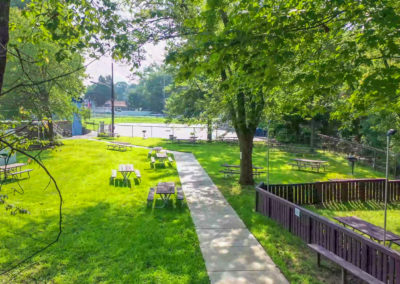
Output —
<point x="109" y="234"/>
<point x="290" y="253"/>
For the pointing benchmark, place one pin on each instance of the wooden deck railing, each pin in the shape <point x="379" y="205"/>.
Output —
<point x="337" y="191"/>
<point x="373" y="258"/>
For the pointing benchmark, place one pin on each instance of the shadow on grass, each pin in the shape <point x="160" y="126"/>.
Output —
<point x="129" y="244"/>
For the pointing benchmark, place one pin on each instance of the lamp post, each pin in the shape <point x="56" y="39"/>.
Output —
<point x="390" y="133"/>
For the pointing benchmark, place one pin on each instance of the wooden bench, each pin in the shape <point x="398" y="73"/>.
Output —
<point x="345" y="265"/>
<point x="138" y="176"/>
<point x="152" y="162"/>
<point x="230" y="172"/>
<point x="150" y="197"/>
<point x="170" y="160"/>
<point x="296" y="165"/>
<point x="20" y="172"/>
<point x="179" y="194"/>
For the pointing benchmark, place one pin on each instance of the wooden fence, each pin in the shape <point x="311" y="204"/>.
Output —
<point x="337" y="191"/>
<point x="373" y="258"/>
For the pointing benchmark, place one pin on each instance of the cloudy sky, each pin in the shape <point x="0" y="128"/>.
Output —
<point x="155" y="54"/>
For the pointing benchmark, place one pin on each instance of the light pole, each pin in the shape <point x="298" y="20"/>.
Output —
<point x="112" y="99"/>
<point x="391" y="132"/>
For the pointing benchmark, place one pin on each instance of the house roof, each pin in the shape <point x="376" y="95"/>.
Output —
<point x="116" y="103"/>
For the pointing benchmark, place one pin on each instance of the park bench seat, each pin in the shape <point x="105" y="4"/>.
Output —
<point x="152" y="161"/>
<point x="113" y="174"/>
<point x="230" y="172"/>
<point x="345" y="265"/>
<point x="21" y="172"/>
<point x="179" y="194"/>
<point x="150" y="197"/>
<point x="138" y="175"/>
<point x="170" y="160"/>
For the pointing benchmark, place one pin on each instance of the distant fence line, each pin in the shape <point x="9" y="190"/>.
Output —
<point x="374" y="157"/>
<point x="337" y="191"/>
<point x="373" y="258"/>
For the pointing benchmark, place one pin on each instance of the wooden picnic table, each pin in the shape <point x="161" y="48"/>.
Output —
<point x="120" y="146"/>
<point x="312" y="164"/>
<point x="165" y="190"/>
<point x="157" y="149"/>
<point x="256" y="170"/>
<point x="161" y="156"/>
<point x="372" y="231"/>
<point x="126" y="170"/>
<point x="5" y="169"/>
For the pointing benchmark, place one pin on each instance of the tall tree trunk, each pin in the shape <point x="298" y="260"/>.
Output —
<point x="51" y="131"/>
<point x="246" y="161"/>
<point x="312" y="136"/>
<point x="4" y="37"/>
<point x="209" y="130"/>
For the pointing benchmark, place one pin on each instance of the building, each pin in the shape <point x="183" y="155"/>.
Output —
<point x="118" y="105"/>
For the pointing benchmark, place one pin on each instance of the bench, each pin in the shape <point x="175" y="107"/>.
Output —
<point x="179" y="194"/>
<point x="152" y="161"/>
<point x="150" y="197"/>
<point x="137" y="173"/>
<point x="230" y="172"/>
<point x="345" y="266"/>
<point x="21" y="172"/>
<point x="170" y="160"/>
<point x="296" y="165"/>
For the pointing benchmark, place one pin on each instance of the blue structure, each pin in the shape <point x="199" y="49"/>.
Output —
<point x="77" y="122"/>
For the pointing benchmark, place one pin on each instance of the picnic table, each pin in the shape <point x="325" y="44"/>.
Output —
<point x="120" y="146"/>
<point x="233" y="169"/>
<point x="165" y="190"/>
<point x="11" y="168"/>
<point x="374" y="232"/>
<point x="157" y="149"/>
<point x="312" y="164"/>
<point x="161" y="156"/>
<point x="126" y="171"/>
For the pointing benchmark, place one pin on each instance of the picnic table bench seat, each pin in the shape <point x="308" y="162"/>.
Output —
<point x="345" y="265"/>
<point x="179" y="195"/>
<point x="150" y="197"/>
<point x="152" y="161"/>
<point x="170" y="160"/>
<point x="113" y="173"/>
<point x="138" y="175"/>
<point x="21" y="172"/>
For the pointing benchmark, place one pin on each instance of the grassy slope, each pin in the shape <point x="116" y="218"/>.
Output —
<point x="109" y="234"/>
<point x="291" y="255"/>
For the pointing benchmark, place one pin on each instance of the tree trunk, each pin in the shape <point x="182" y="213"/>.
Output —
<point x="312" y="136"/>
<point x="246" y="159"/>
<point x="209" y="130"/>
<point x="4" y="37"/>
<point x="51" y="131"/>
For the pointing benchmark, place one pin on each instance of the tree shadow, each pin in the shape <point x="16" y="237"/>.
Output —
<point x="128" y="243"/>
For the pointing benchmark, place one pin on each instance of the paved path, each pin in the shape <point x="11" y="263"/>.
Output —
<point x="231" y="253"/>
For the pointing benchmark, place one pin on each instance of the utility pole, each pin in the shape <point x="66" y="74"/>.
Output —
<point x="112" y="99"/>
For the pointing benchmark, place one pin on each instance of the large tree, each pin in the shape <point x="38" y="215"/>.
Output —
<point x="53" y="97"/>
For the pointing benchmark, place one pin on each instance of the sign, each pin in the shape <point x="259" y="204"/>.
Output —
<point x="297" y="212"/>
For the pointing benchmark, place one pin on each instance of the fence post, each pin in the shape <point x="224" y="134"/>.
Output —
<point x="318" y="193"/>
<point x="344" y="192"/>
<point x="361" y="190"/>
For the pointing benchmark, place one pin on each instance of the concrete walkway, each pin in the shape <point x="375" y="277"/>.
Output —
<point x="231" y="253"/>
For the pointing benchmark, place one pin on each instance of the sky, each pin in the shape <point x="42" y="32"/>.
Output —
<point x="154" y="54"/>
